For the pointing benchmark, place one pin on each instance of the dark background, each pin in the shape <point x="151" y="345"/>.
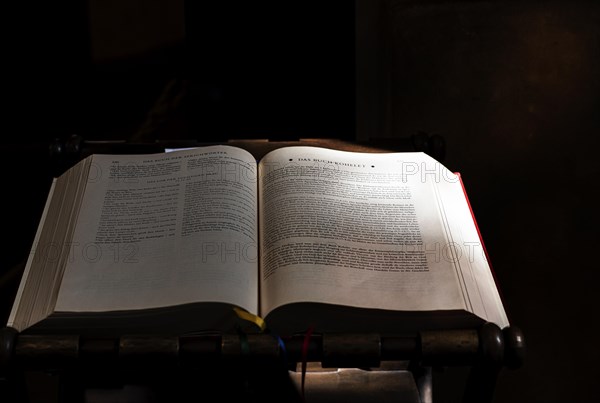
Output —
<point x="514" y="88"/>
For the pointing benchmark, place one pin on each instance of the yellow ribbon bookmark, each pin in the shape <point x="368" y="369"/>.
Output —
<point x="245" y="315"/>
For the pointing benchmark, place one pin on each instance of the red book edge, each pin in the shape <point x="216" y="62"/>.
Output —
<point x="487" y="256"/>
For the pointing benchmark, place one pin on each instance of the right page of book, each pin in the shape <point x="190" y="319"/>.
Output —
<point x="364" y="230"/>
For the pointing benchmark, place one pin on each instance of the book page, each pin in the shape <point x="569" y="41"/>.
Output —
<point x="354" y="229"/>
<point x="38" y="290"/>
<point x="165" y="229"/>
<point x="470" y="255"/>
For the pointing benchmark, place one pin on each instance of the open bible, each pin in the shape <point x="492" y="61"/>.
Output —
<point x="307" y="236"/>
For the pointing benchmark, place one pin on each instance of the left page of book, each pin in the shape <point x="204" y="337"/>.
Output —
<point x="162" y="230"/>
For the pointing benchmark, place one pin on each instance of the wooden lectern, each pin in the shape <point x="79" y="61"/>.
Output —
<point x="252" y="367"/>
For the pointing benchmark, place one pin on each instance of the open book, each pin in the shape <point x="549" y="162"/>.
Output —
<point x="307" y="236"/>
